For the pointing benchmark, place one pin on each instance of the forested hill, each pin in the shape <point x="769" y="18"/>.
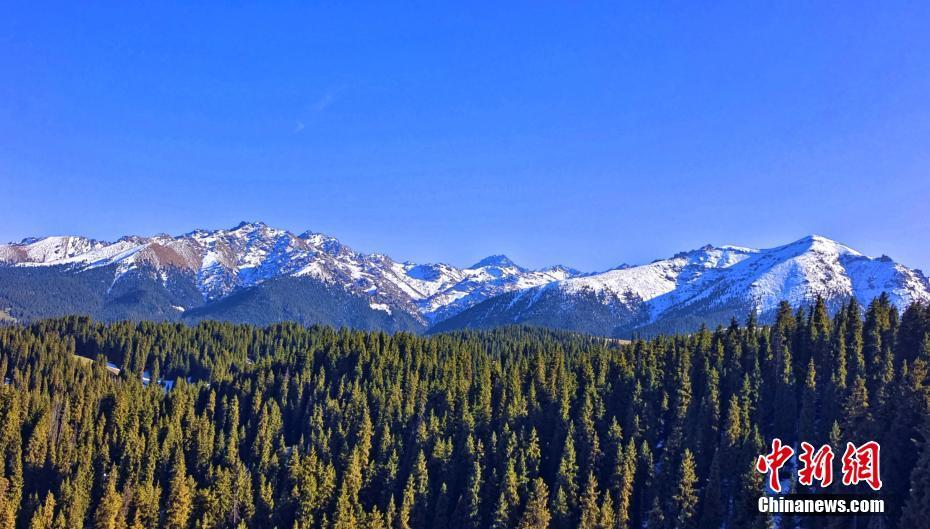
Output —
<point x="295" y="427"/>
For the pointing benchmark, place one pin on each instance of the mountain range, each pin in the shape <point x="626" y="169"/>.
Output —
<point x="259" y="274"/>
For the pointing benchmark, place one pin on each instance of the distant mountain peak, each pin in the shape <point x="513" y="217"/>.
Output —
<point x="736" y="248"/>
<point x="499" y="260"/>
<point x="568" y="270"/>
<point x="710" y="285"/>
<point x="250" y="224"/>
<point x="816" y="237"/>
<point x="214" y="264"/>
<point x="206" y="267"/>
<point x="821" y="245"/>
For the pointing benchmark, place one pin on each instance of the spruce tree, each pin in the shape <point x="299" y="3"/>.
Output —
<point x="625" y="491"/>
<point x="685" y="499"/>
<point x="566" y="485"/>
<point x="712" y="500"/>
<point x="589" y="507"/>
<point x="180" y="495"/>
<point x="509" y="499"/>
<point x="856" y="416"/>
<point x="808" y="420"/>
<point x="44" y="516"/>
<point x="917" y="504"/>
<point x="536" y="513"/>
<point x="109" y="506"/>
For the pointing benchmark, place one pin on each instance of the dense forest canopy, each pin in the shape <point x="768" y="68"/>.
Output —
<point x="295" y="427"/>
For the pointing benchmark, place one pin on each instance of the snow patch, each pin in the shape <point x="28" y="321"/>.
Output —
<point x="381" y="306"/>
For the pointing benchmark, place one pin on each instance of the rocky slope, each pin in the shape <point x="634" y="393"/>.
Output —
<point x="707" y="285"/>
<point x="190" y="274"/>
<point x="259" y="274"/>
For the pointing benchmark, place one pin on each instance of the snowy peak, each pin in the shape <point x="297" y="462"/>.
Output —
<point x="707" y="280"/>
<point x="726" y="276"/>
<point x="250" y="225"/>
<point x="817" y="244"/>
<point x="499" y="261"/>
<point x="636" y="284"/>
<point x="47" y="249"/>
<point x="818" y="266"/>
<point x="708" y="285"/>
<point x="564" y="272"/>
<point x="224" y="261"/>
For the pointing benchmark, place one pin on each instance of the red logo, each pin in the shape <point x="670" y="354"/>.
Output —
<point x="859" y="464"/>
<point x="772" y="462"/>
<point x="817" y="465"/>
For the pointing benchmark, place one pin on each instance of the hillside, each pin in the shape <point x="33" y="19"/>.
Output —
<point x="514" y="428"/>
<point x="709" y="285"/>
<point x="254" y="273"/>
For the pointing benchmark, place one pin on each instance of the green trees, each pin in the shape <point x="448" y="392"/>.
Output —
<point x="590" y="516"/>
<point x="625" y="478"/>
<point x="536" y="514"/>
<point x="685" y="500"/>
<point x="180" y="496"/>
<point x="317" y="428"/>
<point x="509" y="499"/>
<point x="564" y="501"/>
<point x="712" y="507"/>
<point x="44" y="516"/>
<point x="918" y="501"/>
<point x="109" y="506"/>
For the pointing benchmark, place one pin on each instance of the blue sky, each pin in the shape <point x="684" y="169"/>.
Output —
<point x="586" y="134"/>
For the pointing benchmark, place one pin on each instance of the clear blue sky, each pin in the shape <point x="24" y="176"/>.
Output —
<point x="584" y="134"/>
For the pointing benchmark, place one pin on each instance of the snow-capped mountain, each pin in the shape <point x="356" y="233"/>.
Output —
<point x="221" y="263"/>
<point x="260" y="274"/>
<point x="707" y="285"/>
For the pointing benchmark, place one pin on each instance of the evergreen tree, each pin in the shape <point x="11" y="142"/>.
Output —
<point x="655" y="519"/>
<point x="712" y="511"/>
<point x="44" y="516"/>
<point x="856" y="411"/>
<point x="590" y="507"/>
<point x="536" y="514"/>
<point x="917" y="504"/>
<point x="180" y="496"/>
<point x="627" y="476"/>
<point x="109" y="506"/>
<point x="509" y="499"/>
<point x="566" y="485"/>
<point x="745" y="513"/>
<point x="685" y="499"/>
<point x="470" y="507"/>
<point x="608" y="516"/>
<point x="302" y="428"/>
<point x="807" y="422"/>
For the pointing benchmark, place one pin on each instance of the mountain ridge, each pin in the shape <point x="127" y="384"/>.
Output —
<point x="223" y="262"/>
<point x="710" y="284"/>
<point x="232" y="273"/>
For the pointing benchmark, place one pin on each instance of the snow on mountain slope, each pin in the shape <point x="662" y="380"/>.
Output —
<point x="222" y="262"/>
<point x="488" y="278"/>
<point x="48" y="249"/>
<point x="219" y="263"/>
<point x="706" y="284"/>
<point x="810" y="267"/>
<point x="796" y="272"/>
<point x="685" y="274"/>
<point x="871" y="277"/>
